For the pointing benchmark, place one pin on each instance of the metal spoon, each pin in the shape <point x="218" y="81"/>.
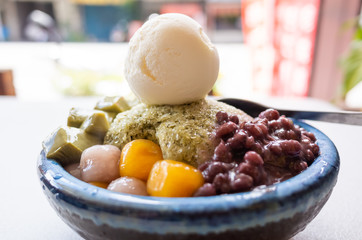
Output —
<point x="253" y="109"/>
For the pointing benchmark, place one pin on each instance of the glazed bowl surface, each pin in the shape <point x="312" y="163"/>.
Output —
<point x="274" y="212"/>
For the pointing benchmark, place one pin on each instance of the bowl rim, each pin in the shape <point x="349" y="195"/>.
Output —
<point x="82" y="194"/>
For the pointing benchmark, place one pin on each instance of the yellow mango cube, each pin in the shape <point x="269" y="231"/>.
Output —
<point x="169" y="178"/>
<point x="138" y="157"/>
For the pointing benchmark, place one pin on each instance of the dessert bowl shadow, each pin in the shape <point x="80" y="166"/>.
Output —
<point x="272" y="212"/>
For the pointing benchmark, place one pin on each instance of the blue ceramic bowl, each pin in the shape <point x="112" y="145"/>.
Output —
<point x="275" y="212"/>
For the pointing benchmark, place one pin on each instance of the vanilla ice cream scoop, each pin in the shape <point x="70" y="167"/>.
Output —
<point x="171" y="61"/>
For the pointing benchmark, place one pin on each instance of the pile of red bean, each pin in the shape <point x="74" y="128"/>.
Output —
<point x="267" y="150"/>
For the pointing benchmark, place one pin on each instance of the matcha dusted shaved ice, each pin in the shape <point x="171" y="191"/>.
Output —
<point x="182" y="131"/>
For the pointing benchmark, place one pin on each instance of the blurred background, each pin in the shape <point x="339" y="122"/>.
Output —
<point x="268" y="48"/>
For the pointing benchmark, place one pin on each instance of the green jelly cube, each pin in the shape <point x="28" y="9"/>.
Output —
<point x="66" y="144"/>
<point x="77" y="116"/>
<point x="112" y="104"/>
<point x="97" y="124"/>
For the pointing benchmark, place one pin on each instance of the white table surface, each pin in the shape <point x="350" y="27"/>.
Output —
<point x="26" y="214"/>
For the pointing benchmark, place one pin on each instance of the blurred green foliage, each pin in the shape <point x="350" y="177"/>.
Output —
<point x="351" y="64"/>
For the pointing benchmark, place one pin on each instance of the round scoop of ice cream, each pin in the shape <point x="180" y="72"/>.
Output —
<point x="171" y="61"/>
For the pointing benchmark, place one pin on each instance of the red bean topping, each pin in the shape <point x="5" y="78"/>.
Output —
<point x="263" y="128"/>
<point x="256" y="172"/>
<point x="234" y="119"/>
<point x="308" y="155"/>
<point x="276" y="148"/>
<point x="203" y="166"/>
<point x="264" y="151"/>
<point x="253" y="158"/>
<point x="213" y="169"/>
<point x="298" y="166"/>
<point x="226" y="129"/>
<point x="206" y="190"/>
<point x="222" y="153"/>
<point x="238" y="140"/>
<point x="241" y="183"/>
<point x="257" y="148"/>
<point x="249" y="142"/>
<point x="309" y="135"/>
<point x="221" y="117"/>
<point x="314" y="148"/>
<point x="290" y="134"/>
<point x="290" y="147"/>
<point x="274" y="124"/>
<point x="222" y="183"/>
<point x="255" y="130"/>
<point x="264" y="121"/>
<point x="269" y="114"/>
<point x="286" y="123"/>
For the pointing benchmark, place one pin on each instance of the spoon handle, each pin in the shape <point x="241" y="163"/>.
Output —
<point x="352" y="118"/>
<point x="253" y="109"/>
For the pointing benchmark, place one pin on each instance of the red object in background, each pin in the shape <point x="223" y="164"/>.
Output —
<point x="189" y="9"/>
<point x="192" y="10"/>
<point x="281" y="36"/>
<point x="295" y="25"/>
<point x="133" y="26"/>
<point x="257" y="25"/>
